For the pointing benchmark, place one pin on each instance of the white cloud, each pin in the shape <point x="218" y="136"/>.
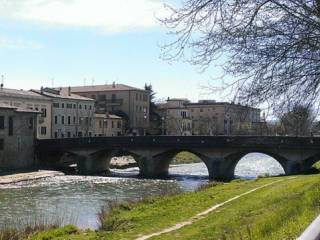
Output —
<point x="109" y="15"/>
<point x="18" y="43"/>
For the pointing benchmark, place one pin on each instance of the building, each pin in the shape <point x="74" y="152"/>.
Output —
<point x="72" y="115"/>
<point x="18" y="129"/>
<point x="108" y="125"/>
<point x="222" y="118"/>
<point x="176" y="117"/>
<point x="208" y="117"/>
<point x="30" y="100"/>
<point x="131" y="103"/>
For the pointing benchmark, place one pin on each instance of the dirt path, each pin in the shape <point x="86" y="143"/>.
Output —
<point x="204" y="213"/>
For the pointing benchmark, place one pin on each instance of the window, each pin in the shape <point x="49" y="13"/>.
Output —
<point x="80" y="107"/>
<point x="79" y="134"/>
<point x="55" y="119"/>
<point x="1" y="144"/>
<point x="85" y="107"/>
<point x="74" y="106"/>
<point x="10" y="126"/>
<point x="62" y="119"/>
<point x="69" y="134"/>
<point x="101" y="97"/>
<point x="90" y="134"/>
<point x="69" y="105"/>
<point x="1" y="122"/>
<point x="74" y="120"/>
<point x="30" y="123"/>
<point x="100" y="124"/>
<point x="201" y="110"/>
<point x="119" y="124"/>
<point x="90" y="107"/>
<point x="93" y="96"/>
<point x="62" y="105"/>
<point x="112" y="124"/>
<point x="55" y="134"/>
<point x="43" y="112"/>
<point x="43" y="131"/>
<point x="55" y="105"/>
<point x="69" y="120"/>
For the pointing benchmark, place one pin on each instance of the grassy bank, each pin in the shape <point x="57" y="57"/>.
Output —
<point x="280" y="211"/>
<point x="185" y="158"/>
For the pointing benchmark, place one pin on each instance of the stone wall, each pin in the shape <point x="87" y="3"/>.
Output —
<point x="17" y="149"/>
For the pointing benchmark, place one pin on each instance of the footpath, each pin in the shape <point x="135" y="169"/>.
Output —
<point x="22" y="177"/>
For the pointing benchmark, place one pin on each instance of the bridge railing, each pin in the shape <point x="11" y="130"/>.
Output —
<point x="184" y="141"/>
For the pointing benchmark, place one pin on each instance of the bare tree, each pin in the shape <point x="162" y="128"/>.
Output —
<point x="298" y="121"/>
<point x="271" y="47"/>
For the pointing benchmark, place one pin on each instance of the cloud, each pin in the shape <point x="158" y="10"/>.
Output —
<point x="108" y="15"/>
<point x="18" y="43"/>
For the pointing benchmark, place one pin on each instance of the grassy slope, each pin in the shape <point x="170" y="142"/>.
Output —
<point x="280" y="211"/>
<point x="185" y="158"/>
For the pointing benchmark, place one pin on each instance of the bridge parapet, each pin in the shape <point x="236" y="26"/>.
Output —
<point x="219" y="153"/>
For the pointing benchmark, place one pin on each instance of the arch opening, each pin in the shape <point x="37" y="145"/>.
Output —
<point x="257" y="164"/>
<point x="123" y="164"/>
<point x="184" y="164"/>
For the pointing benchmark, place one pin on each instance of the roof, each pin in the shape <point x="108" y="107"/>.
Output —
<point x="17" y="109"/>
<point x="199" y="104"/>
<point x="109" y="116"/>
<point x="62" y="93"/>
<point x="178" y="99"/>
<point x="103" y="88"/>
<point x="21" y="94"/>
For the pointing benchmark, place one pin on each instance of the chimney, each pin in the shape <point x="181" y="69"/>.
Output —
<point x="114" y="85"/>
<point x="69" y="91"/>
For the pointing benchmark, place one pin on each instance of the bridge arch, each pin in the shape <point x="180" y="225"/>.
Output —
<point x="163" y="160"/>
<point x="235" y="158"/>
<point x="255" y="164"/>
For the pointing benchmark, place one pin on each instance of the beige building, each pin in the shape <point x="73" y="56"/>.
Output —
<point x="72" y="114"/>
<point x="207" y="117"/>
<point x="18" y="127"/>
<point x="222" y="118"/>
<point x="176" y="118"/>
<point x="108" y="125"/>
<point x="132" y="104"/>
<point x="30" y="100"/>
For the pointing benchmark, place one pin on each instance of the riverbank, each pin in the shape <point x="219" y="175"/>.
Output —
<point x="11" y="178"/>
<point x="281" y="208"/>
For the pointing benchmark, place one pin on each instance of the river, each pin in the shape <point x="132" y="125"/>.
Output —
<point x="77" y="199"/>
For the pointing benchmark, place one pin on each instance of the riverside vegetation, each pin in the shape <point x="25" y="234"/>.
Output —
<point x="279" y="211"/>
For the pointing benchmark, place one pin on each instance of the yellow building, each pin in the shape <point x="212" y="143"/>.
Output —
<point x="108" y="125"/>
<point x="128" y="102"/>
<point x="30" y="100"/>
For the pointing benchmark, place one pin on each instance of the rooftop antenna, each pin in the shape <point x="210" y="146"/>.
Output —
<point x="52" y="82"/>
<point x="2" y="81"/>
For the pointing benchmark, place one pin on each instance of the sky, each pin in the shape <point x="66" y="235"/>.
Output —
<point x="81" y="42"/>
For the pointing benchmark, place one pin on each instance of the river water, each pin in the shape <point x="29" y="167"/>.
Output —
<point x="77" y="199"/>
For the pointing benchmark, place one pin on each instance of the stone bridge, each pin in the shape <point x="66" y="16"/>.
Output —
<point x="154" y="153"/>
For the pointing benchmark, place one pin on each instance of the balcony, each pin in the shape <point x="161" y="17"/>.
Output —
<point x="111" y="102"/>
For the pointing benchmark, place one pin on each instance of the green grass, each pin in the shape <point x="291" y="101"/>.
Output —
<point x="185" y="158"/>
<point x="317" y="165"/>
<point x="279" y="211"/>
